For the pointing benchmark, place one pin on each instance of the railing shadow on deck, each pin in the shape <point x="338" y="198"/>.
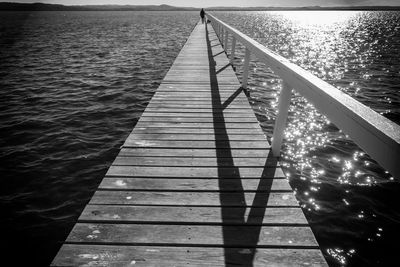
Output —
<point x="219" y="53"/>
<point x="240" y="235"/>
<point x="223" y="68"/>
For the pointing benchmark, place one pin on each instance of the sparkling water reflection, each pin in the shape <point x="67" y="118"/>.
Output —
<point x="348" y="198"/>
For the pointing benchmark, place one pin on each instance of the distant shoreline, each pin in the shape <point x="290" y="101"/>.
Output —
<point x="8" y="6"/>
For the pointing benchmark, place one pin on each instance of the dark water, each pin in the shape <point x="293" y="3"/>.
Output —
<point x="74" y="84"/>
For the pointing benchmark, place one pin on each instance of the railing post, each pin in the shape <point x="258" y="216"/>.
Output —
<point x="232" y="57"/>
<point x="246" y="68"/>
<point x="280" y="122"/>
<point x="222" y="36"/>
<point x="226" y="41"/>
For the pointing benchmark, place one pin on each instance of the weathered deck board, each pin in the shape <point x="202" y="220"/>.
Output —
<point x="198" y="144"/>
<point x="190" y="215"/>
<point x="188" y="153"/>
<point x="200" y="235"/>
<point x="194" y="184"/>
<point x="186" y="137"/>
<point x="162" y="184"/>
<point x="207" y="125"/>
<point x="154" y="119"/>
<point x="181" y="114"/>
<point x="194" y="108"/>
<point x="189" y="198"/>
<point x="108" y="255"/>
<point x="196" y="131"/>
<point x="193" y="162"/>
<point x="198" y="172"/>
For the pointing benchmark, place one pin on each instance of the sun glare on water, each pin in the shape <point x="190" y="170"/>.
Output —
<point x="317" y="17"/>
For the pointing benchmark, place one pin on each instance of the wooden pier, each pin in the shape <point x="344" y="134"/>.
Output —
<point x="195" y="183"/>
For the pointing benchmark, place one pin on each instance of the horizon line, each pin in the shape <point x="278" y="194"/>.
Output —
<point x="210" y="7"/>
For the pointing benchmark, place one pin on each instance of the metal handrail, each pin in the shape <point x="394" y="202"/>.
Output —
<point x="375" y="134"/>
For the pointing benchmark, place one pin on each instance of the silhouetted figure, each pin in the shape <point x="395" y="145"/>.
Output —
<point x="202" y="13"/>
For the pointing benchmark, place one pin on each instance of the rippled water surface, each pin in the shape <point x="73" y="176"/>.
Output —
<point x="351" y="202"/>
<point x="73" y="85"/>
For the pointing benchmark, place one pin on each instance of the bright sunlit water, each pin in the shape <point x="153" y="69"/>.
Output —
<point x="350" y="201"/>
<point x="73" y="84"/>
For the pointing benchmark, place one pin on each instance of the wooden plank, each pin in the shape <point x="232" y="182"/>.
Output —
<point x="161" y="152"/>
<point x="198" y="89"/>
<point x="195" y="74"/>
<point x="162" y="184"/>
<point x="192" y="61"/>
<point x="208" y="125"/>
<point x="150" y="113"/>
<point x="221" y="142"/>
<point x="200" y="172"/>
<point x="225" y="104"/>
<point x="201" y="79"/>
<point x="232" y="93"/>
<point x="113" y="256"/>
<point x="198" y="120"/>
<point x="195" y="161"/>
<point x="195" y="108"/>
<point x="212" y="97"/>
<point x="229" y="132"/>
<point x="206" y="131"/>
<point x="222" y="98"/>
<point x="192" y="86"/>
<point x="192" y="79"/>
<point x="231" y="199"/>
<point x="193" y="215"/>
<point x="198" y="109"/>
<point x="188" y="136"/>
<point x="224" y="107"/>
<point x="195" y="88"/>
<point x="226" y="236"/>
<point x="200" y="99"/>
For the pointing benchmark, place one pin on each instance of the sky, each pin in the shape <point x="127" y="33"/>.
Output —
<point x="215" y="3"/>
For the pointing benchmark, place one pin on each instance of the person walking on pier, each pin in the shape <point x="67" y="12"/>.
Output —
<point x="202" y="13"/>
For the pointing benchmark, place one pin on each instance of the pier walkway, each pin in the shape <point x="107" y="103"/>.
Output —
<point x="195" y="183"/>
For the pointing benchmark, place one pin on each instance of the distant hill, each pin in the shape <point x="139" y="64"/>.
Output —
<point x="9" y="6"/>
